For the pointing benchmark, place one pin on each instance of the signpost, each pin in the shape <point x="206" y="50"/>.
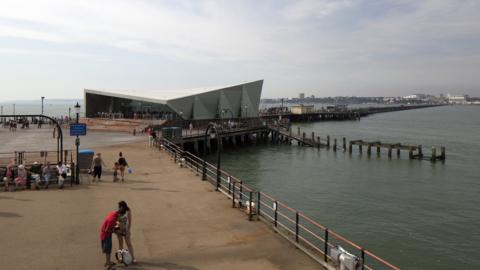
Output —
<point x="79" y="129"/>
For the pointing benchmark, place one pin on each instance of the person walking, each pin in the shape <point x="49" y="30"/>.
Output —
<point x="62" y="174"/>
<point x="124" y="225"/>
<point x="122" y="162"/>
<point x="97" y="163"/>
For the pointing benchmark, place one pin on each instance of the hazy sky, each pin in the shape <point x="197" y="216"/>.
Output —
<point x="56" y="48"/>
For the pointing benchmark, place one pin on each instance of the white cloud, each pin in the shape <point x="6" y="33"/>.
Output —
<point x="304" y="9"/>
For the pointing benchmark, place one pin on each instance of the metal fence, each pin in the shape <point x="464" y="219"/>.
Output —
<point x="28" y="157"/>
<point x="314" y="238"/>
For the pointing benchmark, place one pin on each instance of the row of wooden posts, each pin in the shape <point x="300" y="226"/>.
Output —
<point x="414" y="151"/>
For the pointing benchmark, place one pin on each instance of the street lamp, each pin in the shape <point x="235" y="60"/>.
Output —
<point x="77" y="144"/>
<point x="42" y="104"/>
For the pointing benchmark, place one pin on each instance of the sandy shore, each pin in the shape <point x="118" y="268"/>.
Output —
<point x="179" y="222"/>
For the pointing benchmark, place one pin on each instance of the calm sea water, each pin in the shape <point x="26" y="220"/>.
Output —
<point x="416" y="214"/>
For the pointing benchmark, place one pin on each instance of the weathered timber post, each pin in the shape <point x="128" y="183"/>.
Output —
<point x="378" y="150"/>
<point x="303" y="136"/>
<point x="319" y="142"/>
<point x="420" y="152"/>
<point x="350" y="148"/>
<point x="442" y="153"/>
<point x="398" y="151"/>
<point x="335" y="145"/>
<point x="344" y="144"/>
<point x="389" y="151"/>
<point x="434" y="154"/>
<point x="328" y="141"/>
<point x="360" y="148"/>
<point x="369" y="150"/>
<point x="298" y="131"/>
<point x="313" y="136"/>
<point x="410" y="153"/>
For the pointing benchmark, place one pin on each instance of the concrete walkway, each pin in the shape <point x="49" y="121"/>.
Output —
<point x="179" y="222"/>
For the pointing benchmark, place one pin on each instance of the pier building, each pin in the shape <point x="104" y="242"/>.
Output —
<point x="232" y="101"/>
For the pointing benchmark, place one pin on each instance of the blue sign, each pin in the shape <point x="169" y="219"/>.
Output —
<point x="78" y="129"/>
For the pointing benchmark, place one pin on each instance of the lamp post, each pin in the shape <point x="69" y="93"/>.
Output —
<point x="77" y="144"/>
<point x="42" y="104"/>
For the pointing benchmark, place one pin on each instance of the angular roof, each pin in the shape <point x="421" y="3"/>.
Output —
<point x="159" y="96"/>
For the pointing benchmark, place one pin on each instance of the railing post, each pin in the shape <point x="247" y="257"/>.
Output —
<point x="233" y="195"/>
<point x="296" y="226"/>
<point x="363" y="259"/>
<point x="258" y="205"/>
<point x="325" y="247"/>
<point x="275" y="206"/>
<point x="229" y="184"/>
<point x="250" y="212"/>
<point x="241" y="194"/>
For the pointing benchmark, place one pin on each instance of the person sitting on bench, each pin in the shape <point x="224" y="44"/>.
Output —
<point x="21" y="179"/>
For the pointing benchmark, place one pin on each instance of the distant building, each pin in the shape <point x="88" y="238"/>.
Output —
<point x="456" y="99"/>
<point x="301" y="96"/>
<point x="312" y="96"/>
<point x="302" y="109"/>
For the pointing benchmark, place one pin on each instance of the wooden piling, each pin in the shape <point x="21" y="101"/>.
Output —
<point x="410" y="153"/>
<point x="313" y="137"/>
<point x="350" y="148"/>
<point x="369" y="150"/>
<point x="390" y="151"/>
<point x="420" y="152"/>
<point x="298" y="131"/>
<point x="442" y="153"/>
<point x="398" y="152"/>
<point x="378" y="150"/>
<point x="360" y="148"/>
<point x="335" y="145"/>
<point x="319" y="142"/>
<point x="344" y="144"/>
<point x="434" y="154"/>
<point x="328" y="141"/>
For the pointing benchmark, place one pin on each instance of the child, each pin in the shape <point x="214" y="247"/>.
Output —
<point x="116" y="168"/>
<point x="106" y="236"/>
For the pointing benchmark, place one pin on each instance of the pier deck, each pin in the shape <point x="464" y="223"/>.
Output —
<point x="179" y="222"/>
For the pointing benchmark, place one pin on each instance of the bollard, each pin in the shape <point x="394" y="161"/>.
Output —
<point x="434" y="154"/>
<point x="344" y="144"/>
<point x="335" y="145"/>
<point x="442" y="153"/>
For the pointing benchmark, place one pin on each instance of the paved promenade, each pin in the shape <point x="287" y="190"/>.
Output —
<point x="179" y="223"/>
<point x="34" y="139"/>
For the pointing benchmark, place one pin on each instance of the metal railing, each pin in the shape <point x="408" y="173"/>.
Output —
<point x="291" y="223"/>
<point x="28" y="157"/>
